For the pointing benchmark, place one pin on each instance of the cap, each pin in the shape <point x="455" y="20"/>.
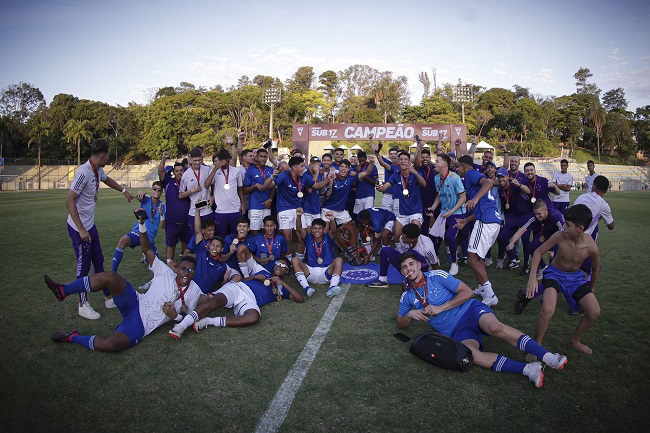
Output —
<point x="452" y="154"/>
<point x="502" y="171"/>
<point x="491" y="163"/>
<point x="314" y="159"/>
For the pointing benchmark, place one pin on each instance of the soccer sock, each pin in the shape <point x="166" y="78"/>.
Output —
<point x="243" y="267"/>
<point x="288" y="256"/>
<point x="87" y="341"/>
<point x="82" y="285"/>
<point x="528" y="345"/>
<point x="169" y="260"/>
<point x="187" y="321"/>
<point x="117" y="258"/>
<point x="505" y="365"/>
<point x="219" y="322"/>
<point x="300" y="256"/>
<point x="300" y="276"/>
<point x="335" y="280"/>
<point x="383" y="279"/>
<point x="487" y="286"/>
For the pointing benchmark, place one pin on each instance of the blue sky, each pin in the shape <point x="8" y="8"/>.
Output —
<point x="113" y="51"/>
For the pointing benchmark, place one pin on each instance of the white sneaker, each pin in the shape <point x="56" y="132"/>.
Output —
<point x="555" y="360"/>
<point x="333" y="291"/>
<point x="500" y="264"/>
<point x="175" y="332"/>
<point x="201" y="324"/>
<point x="310" y="292"/>
<point x="535" y="373"/>
<point x="88" y="312"/>
<point x="479" y="291"/>
<point x="488" y="261"/>
<point x="491" y="301"/>
<point x="146" y="286"/>
<point x="109" y="303"/>
<point x="454" y="269"/>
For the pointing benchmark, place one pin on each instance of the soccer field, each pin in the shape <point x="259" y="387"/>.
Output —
<point x="361" y="377"/>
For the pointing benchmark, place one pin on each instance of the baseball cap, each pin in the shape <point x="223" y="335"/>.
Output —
<point x="452" y="154"/>
<point x="491" y="163"/>
<point x="314" y="159"/>
<point x="502" y="171"/>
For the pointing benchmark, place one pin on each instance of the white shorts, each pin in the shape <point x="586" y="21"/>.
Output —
<point x="340" y="216"/>
<point x="233" y="272"/>
<point x="287" y="219"/>
<point x="363" y="203"/>
<point x="317" y="275"/>
<point x="390" y="226"/>
<point x="308" y="218"/>
<point x="387" y="202"/>
<point x="407" y="219"/>
<point x="256" y="216"/>
<point x="483" y="237"/>
<point x="239" y="297"/>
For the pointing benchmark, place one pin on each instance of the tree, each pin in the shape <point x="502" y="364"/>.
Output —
<point x="165" y="91"/>
<point x="76" y="131"/>
<point x="21" y="101"/>
<point x="357" y="80"/>
<point x="40" y="128"/>
<point x="642" y="127"/>
<point x="615" y="100"/>
<point x="598" y="117"/>
<point x="617" y="135"/>
<point x="301" y="80"/>
<point x="582" y="84"/>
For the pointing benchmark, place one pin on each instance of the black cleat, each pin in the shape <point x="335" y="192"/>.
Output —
<point x="66" y="337"/>
<point x="521" y="302"/>
<point x="525" y="270"/>
<point x="577" y="311"/>
<point x="56" y="288"/>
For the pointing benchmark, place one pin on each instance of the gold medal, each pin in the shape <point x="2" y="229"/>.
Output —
<point x="507" y="205"/>
<point x="533" y="199"/>
<point x="235" y="241"/>
<point x="226" y="186"/>
<point x="300" y="194"/>
<point x="267" y="283"/>
<point x="275" y="290"/>
<point x="405" y="192"/>
<point x="320" y="261"/>
<point x="279" y="298"/>
<point x="183" y="309"/>
<point x="367" y="238"/>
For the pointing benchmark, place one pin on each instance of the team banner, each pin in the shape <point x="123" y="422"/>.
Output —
<point x="380" y="131"/>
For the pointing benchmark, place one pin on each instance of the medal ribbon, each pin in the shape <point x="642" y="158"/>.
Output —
<point x="423" y="282"/>
<point x="533" y="188"/>
<point x="405" y="181"/>
<point x="197" y="176"/>
<point x="181" y="292"/>
<point x="96" y="175"/>
<point x="262" y="172"/>
<point x="269" y="246"/>
<point x="227" y="173"/>
<point x="322" y="245"/>
<point x="297" y="183"/>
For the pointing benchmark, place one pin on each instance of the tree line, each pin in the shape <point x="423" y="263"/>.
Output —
<point x="178" y="118"/>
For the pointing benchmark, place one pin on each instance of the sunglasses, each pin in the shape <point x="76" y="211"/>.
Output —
<point x="157" y="189"/>
<point x="282" y="265"/>
<point x="188" y="270"/>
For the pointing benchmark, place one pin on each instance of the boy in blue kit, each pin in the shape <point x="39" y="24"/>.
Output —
<point x="341" y="187"/>
<point x="265" y="249"/>
<point x="241" y="239"/>
<point x="257" y="183"/>
<point x="365" y="195"/>
<point x="321" y="266"/>
<point x="375" y="227"/>
<point x="176" y="229"/>
<point x="155" y="210"/>
<point x="563" y="275"/>
<point x="445" y="303"/>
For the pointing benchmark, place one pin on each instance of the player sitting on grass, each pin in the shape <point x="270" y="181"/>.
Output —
<point x="321" y="266"/>
<point x="244" y="297"/>
<point x="266" y="247"/>
<point x="375" y="226"/>
<point x="563" y="275"/>
<point x="172" y="294"/>
<point x="447" y="304"/>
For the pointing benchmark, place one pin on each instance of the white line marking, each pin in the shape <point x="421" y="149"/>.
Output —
<point x="274" y="416"/>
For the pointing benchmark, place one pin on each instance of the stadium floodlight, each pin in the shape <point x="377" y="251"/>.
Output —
<point x="271" y="97"/>
<point x="463" y="94"/>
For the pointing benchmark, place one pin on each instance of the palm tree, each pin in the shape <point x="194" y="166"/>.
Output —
<point x="598" y="116"/>
<point x="40" y="129"/>
<point x="76" y="131"/>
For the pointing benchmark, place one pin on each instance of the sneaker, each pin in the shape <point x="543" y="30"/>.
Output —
<point x="555" y="360"/>
<point x="540" y="273"/>
<point x="66" y="337"/>
<point x="56" y="288"/>
<point x="88" y="312"/>
<point x="175" y="333"/>
<point x="491" y="301"/>
<point x="201" y="324"/>
<point x="479" y="291"/>
<point x="462" y="261"/>
<point x="454" y="269"/>
<point x="310" y="292"/>
<point x="521" y="301"/>
<point x="109" y="303"/>
<point x="378" y="284"/>
<point x="146" y="286"/>
<point x="514" y="264"/>
<point x="577" y="311"/>
<point x="525" y="270"/>
<point x="333" y="291"/>
<point x="488" y="261"/>
<point x="143" y="259"/>
<point x="518" y="260"/>
<point x="500" y="264"/>
<point x="535" y="372"/>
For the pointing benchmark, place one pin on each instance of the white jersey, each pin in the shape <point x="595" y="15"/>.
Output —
<point x="599" y="209"/>
<point x="189" y="181"/>
<point x="589" y="180"/>
<point x="424" y="247"/>
<point x="564" y="179"/>
<point x="164" y="289"/>
<point x="86" y="185"/>
<point x="227" y="200"/>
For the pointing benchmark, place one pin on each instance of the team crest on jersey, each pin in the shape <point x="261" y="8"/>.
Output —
<point x="359" y="276"/>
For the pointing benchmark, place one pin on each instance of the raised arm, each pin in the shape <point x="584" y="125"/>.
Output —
<point x="299" y="228"/>
<point x="161" y="166"/>
<point x="117" y="187"/>
<point x="145" y="245"/>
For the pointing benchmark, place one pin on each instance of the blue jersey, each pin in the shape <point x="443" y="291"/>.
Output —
<point x="178" y="208"/>
<point x="264" y="294"/>
<point x="278" y="248"/>
<point x="232" y="261"/>
<point x="428" y="194"/>
<point x="486" y="208"/>
<point x="517" y="201"/>
<point x="364" y="187"/>
<point x="540" y="191"/>
<point x="379" y="218"/>
<point x="440" y="287"/>
<point x="327" y="251"/>
<point x="154" y="213"/>
<point x="388" y="173"/>
<point x="340" y="192"/>
<point x="254" y="175"/>
<point x="311" y="200"/>
<point x="191" y="245"/>
<point x="209" y="271"/>
<point x="553" y="223"/>
<point x="448" y="190"/>
<point x="412" y="203"/>
<point x="287" y="189"/>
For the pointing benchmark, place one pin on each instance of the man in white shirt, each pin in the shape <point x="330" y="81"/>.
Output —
<point x="227" y="182"/>
<point x="192" y="186"/>
<point x="589" y="179"/>
<point x="81" y="200"/>
<point x="564" y="180"/>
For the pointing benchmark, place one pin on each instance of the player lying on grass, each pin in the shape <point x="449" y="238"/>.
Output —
<point x="447" y="304"/>
<point x="244" y="297"/>
<point x="172" y="294"/>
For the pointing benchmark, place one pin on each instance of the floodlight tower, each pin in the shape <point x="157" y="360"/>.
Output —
<point x="271" y="97"/>
<point x="463" y="94"/>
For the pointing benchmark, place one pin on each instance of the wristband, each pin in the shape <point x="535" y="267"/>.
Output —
<point x="124" y="190"/>
<point x="142" y="228"/>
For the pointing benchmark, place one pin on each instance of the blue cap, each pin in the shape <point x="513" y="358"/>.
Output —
<point x="502" y="171"/>
<point x="491" y="163"/>
<point x="452" y="154"/>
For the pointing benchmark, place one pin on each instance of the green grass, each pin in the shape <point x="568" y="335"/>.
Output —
<point x="584" y="155"/>
<point x="362" y="379"/>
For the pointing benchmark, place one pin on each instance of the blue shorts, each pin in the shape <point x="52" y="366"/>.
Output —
<point x="175" y="233"/>
<point x="135" y="242"/>
<point x="467" y="327"/>
<point x="571" y="284"/>
<point x="129" y="307"/>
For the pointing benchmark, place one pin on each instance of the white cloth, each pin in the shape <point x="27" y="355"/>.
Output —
<point x="438" y="228"/>
<point x="239" y="297"/>
<point x="424" y="247"/>
<point x="189" y="181"/>
<point x="599" y="209"/>
<point x="589" y="180"/>
<point x="85" y="186"/>
<point x="483" y="236"/>
<point x="227" y="200"/>
<point x="565" y="179"/>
